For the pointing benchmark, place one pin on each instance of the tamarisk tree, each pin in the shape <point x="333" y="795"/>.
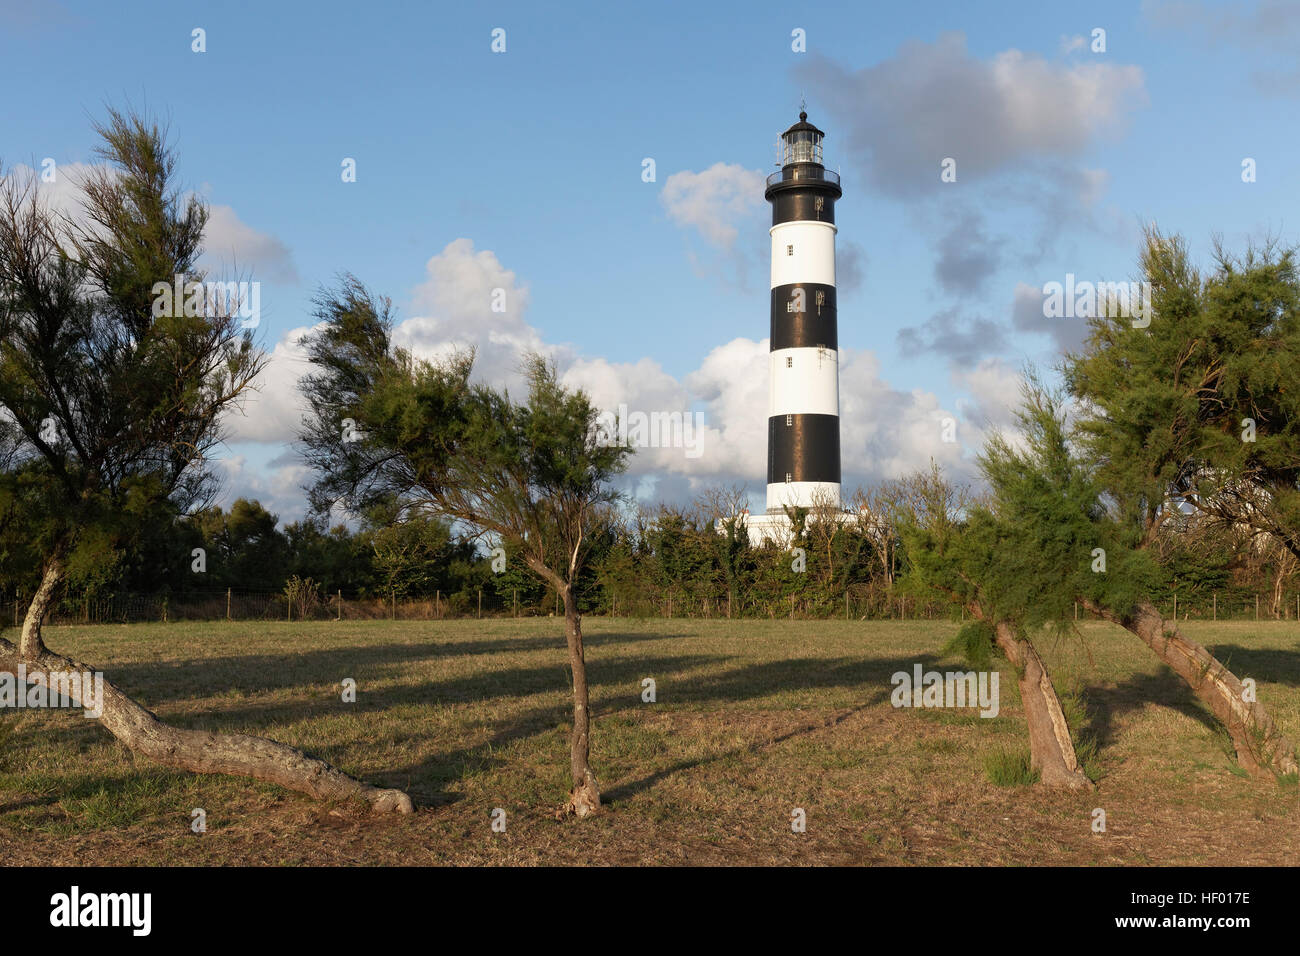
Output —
<point x="968" y="553"/>
<point x="1080" y="538"/>
<point x="532" y="476"/>
<point x="109" y="407"/>
<point x="1198" y="412"/>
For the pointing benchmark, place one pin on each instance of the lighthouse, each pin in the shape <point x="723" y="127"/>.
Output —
<point x="803" y="423"/>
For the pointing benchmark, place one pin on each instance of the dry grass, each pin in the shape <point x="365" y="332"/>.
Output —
<point x="752" y="719"/>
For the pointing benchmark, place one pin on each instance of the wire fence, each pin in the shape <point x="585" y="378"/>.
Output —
<point x="242" y="605"/>
<point x="253" y="605"/>
<point x="248" y="605"/>
<point x="856" y="603"/>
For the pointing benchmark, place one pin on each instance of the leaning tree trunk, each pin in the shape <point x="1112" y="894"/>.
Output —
<point x="194" y="750"/>
<point x="1051" y="750"/>
<point x="584" y="799"/>
<point x="30" y="644"/>
<point x="1261" y="747"/>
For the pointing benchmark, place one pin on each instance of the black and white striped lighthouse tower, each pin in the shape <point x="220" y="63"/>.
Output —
<point x="803" y="426"/>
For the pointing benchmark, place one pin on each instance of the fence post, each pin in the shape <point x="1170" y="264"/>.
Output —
<point x="480" y="602"/>
<point x="340" y="604"/>
<point x="227" y="604"/>
<point x="1214" y="607"/>
<point x="437" y="604"/>
<point x="1175" y="606"/>
<point x="847" y="616"/>
<point x="1257" y="607"/>
<point x="516" y="602"/>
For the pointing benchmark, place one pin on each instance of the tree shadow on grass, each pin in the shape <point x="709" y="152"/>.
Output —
<point x="478" y="687"/>
<point x="1103" y="705"/>
<point x="745" y="683"/>
<point x="261" y="717"/>
<point x="1262" y="663"/>
<point x="163" y="681"/>
<point x="27" y="802"/>
<point x="605" y="674"/>
<point x="615" y="685"/>
<point x="630" y="788"/>
<point x="750" y="681"/>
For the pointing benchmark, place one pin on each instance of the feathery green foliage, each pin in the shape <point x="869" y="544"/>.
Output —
<point x="110" y="408"/>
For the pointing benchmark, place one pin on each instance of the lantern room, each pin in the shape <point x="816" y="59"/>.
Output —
<point x="801" y="143"/>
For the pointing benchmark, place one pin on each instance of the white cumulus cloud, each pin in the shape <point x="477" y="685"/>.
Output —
<point x="715" y="201"/>
<point x="885" y="431"/>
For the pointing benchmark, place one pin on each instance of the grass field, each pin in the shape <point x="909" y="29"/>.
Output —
<point x="753" y="719"/>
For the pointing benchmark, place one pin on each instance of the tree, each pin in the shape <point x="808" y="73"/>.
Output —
<point x="337" y="558"/>
<point x="1200" y="411"/>
<point x="1167" y="421"/>
<point x="115" y="404"/>
<point x="245" y="548"/>
<point x="726" y="525"/>
<point x="1055" y="533"/>
<point x="1203" y="407"/>
<point x="673" y="538"/>
<point x="385" y="426"/>
<point x="972" y="554"/>
<point x="412" y="556"/>
<point x="876" y="510"/>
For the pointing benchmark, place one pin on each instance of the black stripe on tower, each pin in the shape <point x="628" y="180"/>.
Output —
<point x="814" y="327"/>
<point x="800" y="203"/>
<point x="803" y="447"/>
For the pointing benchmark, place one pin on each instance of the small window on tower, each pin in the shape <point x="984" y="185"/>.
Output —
<point x="789" y="250"/>
<point x="789" y="421"/>
<point x="788" y="477"/>
<point x="789" y="361"/>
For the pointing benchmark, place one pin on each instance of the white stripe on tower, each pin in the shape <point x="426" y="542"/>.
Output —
<point x="803" y="252"/>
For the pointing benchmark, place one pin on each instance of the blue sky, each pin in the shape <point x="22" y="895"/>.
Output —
<point x="522" y="170"/>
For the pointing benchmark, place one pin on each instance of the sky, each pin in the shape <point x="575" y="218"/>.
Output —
<point x="518" y="176"/>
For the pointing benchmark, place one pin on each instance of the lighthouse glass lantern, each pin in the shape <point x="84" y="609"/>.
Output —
<point x="802" y="144"/>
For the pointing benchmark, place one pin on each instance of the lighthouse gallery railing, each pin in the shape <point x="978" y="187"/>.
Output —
<point x="807" y="173"/>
